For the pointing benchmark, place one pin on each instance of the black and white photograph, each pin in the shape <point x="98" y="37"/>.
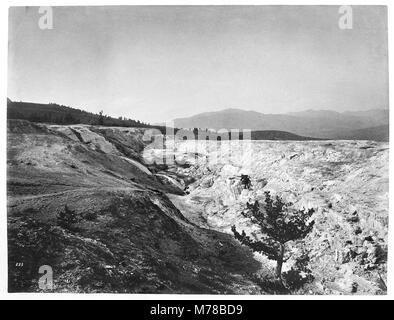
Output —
<point x="198" y="150"/>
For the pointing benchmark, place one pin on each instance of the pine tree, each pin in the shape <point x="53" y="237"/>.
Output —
<point x="101" y="118"/>
<point x="279" y="225"/>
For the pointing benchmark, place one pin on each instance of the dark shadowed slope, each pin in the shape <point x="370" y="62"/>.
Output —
<point x="379" y="133"/>
<point x="278" y="135"/>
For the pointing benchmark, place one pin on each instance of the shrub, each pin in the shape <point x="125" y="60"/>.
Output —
<point x="90" y="216"/>
<point x="67" y="218"/>
<point x="245" y="181"/>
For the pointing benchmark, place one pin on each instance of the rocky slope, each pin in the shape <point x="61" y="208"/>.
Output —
<point x="346" y="182"/>
<point x="128" y="236"/>
<point x="137" y="231"/>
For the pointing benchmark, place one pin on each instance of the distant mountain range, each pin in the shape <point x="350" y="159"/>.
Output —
<point x="324" y="124"/>
<point x="305" y="125"/>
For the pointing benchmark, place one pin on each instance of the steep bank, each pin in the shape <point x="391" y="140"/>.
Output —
<point x="128" y="236"/>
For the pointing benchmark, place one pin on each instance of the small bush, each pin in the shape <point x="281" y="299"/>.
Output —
<point x="245" y="181"/>
<point x="67" y="218"/>
<point x="90" y="216"/>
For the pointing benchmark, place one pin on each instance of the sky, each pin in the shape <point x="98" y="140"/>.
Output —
<point x="159" y="63"/>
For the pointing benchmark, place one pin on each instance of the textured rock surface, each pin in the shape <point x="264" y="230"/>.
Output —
<point x="345" y="181"/>
<point x="137" y="230"/>
<point x="128" y="236"/>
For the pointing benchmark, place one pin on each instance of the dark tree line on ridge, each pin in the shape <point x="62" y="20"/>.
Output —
<point x="60" y="114"/>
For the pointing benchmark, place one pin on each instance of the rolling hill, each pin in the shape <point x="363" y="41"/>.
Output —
<point x="312" y="123"/>
<point x="305" y="125"/>
<point x="379" y="133"/>
<point x="59" y="114"/>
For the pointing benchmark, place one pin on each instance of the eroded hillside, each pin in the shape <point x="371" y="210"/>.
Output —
<point x="129" y="237"/>
<point x="138" y="231"/>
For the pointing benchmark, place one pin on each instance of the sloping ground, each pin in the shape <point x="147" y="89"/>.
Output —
<point x="131" y="238"/>
<point x="345" y="181"/>
<point x="379" y="133"/>
<point x="128" y="238"/>
<point x="277" y="135"/>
